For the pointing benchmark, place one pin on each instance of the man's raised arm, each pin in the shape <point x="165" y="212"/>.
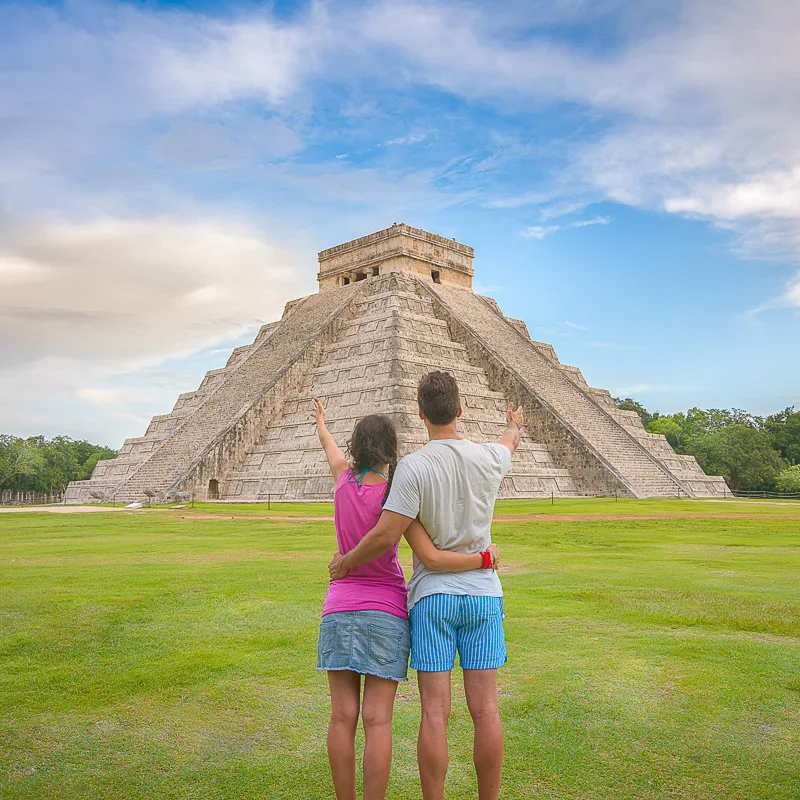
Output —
<point x="385" y="535"/>
<point x="510" y="437"/>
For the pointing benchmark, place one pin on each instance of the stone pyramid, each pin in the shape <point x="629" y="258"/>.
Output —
<point x="391" y="306"/>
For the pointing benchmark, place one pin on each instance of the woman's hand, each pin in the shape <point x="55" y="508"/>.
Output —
<point x="336" y="460"/>
<point x="319" y="412"/>
<point x="493" y="549"/>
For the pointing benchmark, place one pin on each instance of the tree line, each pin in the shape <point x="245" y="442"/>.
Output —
<point x="37" y="464"/>
<point x="752" y="453"/>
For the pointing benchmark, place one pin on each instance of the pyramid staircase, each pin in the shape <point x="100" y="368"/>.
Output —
<point x="374" y="367"/>
<point x="586" y="419"/>
<point x="391" y="307"/>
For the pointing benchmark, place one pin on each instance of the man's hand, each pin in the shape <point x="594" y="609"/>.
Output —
<point x="493" y="549"/>
<point x="510" y="437"/>
<point x="335" y="568"/>
<point x="514" y="416"/>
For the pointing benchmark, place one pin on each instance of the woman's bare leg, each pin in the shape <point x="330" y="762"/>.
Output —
<point x="376" y="714"/>
<point x="345" y="696"/>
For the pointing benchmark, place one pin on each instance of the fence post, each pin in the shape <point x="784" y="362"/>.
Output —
<point x="552" y="498"/>
<point x="269" y="502"/>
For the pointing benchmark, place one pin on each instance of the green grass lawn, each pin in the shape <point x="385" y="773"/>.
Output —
<point x="170" y="654"/>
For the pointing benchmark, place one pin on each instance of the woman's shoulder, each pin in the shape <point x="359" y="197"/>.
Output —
<point x="344" y="477"/>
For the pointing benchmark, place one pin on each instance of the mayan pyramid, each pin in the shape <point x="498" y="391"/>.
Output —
<point x="390" y="307"/>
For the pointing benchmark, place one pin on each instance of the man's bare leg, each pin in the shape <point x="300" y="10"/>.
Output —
<point x="434" y="692"/>
<point x="480" y="687"/>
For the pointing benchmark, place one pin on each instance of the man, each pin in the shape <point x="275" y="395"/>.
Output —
<point x="451" y="485"/>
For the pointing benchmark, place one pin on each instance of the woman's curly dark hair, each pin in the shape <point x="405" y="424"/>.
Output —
<point x="374" y="442"/>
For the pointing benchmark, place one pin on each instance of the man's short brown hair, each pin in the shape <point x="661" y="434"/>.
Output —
<point x="438" y="398"/>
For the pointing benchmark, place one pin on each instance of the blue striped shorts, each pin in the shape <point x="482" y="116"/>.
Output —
<point x="444" y="623"/>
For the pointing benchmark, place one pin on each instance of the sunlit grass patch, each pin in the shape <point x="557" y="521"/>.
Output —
<point x="170" y="654"/>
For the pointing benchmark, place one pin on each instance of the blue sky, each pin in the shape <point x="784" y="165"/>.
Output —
<point x="628" y="173"/>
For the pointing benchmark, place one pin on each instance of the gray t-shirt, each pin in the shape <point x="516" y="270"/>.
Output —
<point x="451" y="485"/>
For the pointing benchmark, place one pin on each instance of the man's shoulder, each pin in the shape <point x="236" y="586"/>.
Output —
<point x="412" y="459"/>
<point x="438" y="448"/>
<point x="488" y="457"/>
<point x="484" y="449"/>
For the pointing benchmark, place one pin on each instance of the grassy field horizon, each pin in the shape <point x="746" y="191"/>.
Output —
<point x="654" y="652"/>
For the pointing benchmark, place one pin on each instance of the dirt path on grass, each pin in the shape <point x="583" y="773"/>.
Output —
<point x="275" y="518"/>
<point x="497" y="518"/>
<point x="60" y="509"/>
<point x="622" y="517"/>
<point x="534" y="517"/>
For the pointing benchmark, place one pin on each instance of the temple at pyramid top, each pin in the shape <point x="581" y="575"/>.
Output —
<point x="400" y="248"/>
<point x="391" y="306"/>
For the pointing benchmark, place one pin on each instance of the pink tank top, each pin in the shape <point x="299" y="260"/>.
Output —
<point x="379" y="585"/>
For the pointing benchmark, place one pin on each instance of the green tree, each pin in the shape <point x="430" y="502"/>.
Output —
<point x="36" y="464"/>
<point x="789" y="480"/>
<point x="742" y="454"/>
<point x="21" y="464"/>
<point x="785" y="429"/>
<point x="629" y="404"/>
<point x="99" y="454"/>
<point x="669" y="427"/>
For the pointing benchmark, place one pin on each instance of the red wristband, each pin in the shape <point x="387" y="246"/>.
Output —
<point x="487" y="560"/>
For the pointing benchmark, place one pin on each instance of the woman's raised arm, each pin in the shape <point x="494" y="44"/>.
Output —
<point x="336" y="460"/>
<point x="443" y="560"/>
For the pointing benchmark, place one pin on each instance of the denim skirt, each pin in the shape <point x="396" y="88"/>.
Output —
<point x="367" y="642"/>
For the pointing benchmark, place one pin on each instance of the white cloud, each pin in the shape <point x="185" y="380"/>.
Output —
<point x="122" y="296"/>
<point x="775" y="194"/>
<point x="100" y="396"/>
<point x="128" y="292"/>
<point x="412" y="138"/>
<point x="214" y="61"/>
<point x="793" y="293"/>
<point x="583" y="223"/>
<point x="487" y="288"/>
<point x="538" y="231"/>
<point x="121" y="62"/>
<point x="17" y="271"/>
<point x="629" y="391"/>
<point x="576" y="326"/>
<point x="701" y="109"/>
<point x="517" y="201"/>
<point x="210" y="145"/>
<point x="112" y="264"/>
<point x="371" y="187"/>
<point x="561" y="209"/>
